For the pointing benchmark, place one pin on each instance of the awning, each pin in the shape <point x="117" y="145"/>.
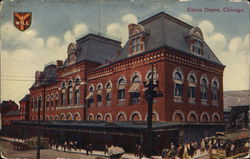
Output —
<point x="191" y="85"/>
<point x="178" y="81"/>
<point x="134" y="88"/>
<point x="89" y="95"/>
<point x="121" y="87"/>
<point x="99" y="92"/>
<point x="108" y="90"/>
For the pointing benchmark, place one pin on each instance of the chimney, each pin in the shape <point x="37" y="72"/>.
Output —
<point x="59" y="63"/>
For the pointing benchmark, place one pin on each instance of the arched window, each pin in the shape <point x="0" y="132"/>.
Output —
<point x="121" y="91"/>
<point x="108" y="117"/>
<point x="52" y="100"/>
<point x="40" y="103"/>
<point x="134" y="90"/>
<point x="63" y="94"/>
<point x="121" y="117"/>
<point x="77" y="117"/>
<point x="99" y="117"/>
<point x="215" y="89"/>
<point x="32" y="104"/>
<point x="192" y="118"/>
<point x="99" y="95"/>
<point x="56" y="102"/>
<point x="47" y="102"/>
<point x="89" y="97"/>
<point x="204" y="87"/>
<point x="108" y="93"/>
<point x="69" y="117"/>
<point x="191" y="87"/>
<point x="91" y="117"/>
<point x="178" y="84"/>
<point x="70" y="93"/>
<point x="77" y="92"/>
<point x="135" y="117"/>
<point x="196" y="41"/>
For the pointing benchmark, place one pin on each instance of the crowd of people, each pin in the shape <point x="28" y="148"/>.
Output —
<point x="191" y="149"/>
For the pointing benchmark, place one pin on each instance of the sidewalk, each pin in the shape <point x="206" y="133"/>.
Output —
<point x="101" y="153"/>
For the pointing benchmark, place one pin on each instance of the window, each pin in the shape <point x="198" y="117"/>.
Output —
<point x="47" y="102"/>
<point x="99" y="94"/>
<point x="70" y="93"/>
<point x="89" y="97"/>
<point x="215" y="91"/>
<point x="77" y="92"/>
<point x="77" y="96"/>
<point x="52" y="100"/>
<point x="63" y="94"/>
<point x="191" y="86"/>
<point x="32" y="104"/>
<point x="197" y="47"/>
<point x="134" y="90"/>
<point x="204" y="89"/>
<point x="136" y="44"/>
<point x="178" y="84"/>
<point x="108" y="93"/>
<point x="121" y="89"/>
<point x="56" y="104"/>
<point x="40" y="102"/>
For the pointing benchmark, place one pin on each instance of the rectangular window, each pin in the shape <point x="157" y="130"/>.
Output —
<point x="134" y="98"/>
<point x="56" y="102"/>
<point x="178" y="90"/>
<point x="136" y="44"/>
<point x="121" y="94"/>
<point x="90" y="102"/>
<point x="108" y="97"/>
<point x="99" y="98"/>
<point x="191" y="92"/>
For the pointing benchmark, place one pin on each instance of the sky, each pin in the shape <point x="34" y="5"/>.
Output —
<point x="56" y="23"/>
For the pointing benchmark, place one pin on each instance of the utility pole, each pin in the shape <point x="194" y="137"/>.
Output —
<point x="150" y="93"/>
<point x="38" y="133"/>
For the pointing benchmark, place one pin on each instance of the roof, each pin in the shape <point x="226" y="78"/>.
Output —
<point x="95" y="48"/>
<point x="171" y="34"/>
<point x="236" y="98"/>
<point x="25" y="98"/>
<point x="12" y="113"/>
<point x="47" y="77"/>
<point x="135" y="125"/>
<point x="233" y="135"/>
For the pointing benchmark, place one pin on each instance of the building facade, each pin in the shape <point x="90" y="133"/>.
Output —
<point x="101" y="80"/>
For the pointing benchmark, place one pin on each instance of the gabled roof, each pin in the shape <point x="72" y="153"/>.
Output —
<point x="47" y="77"/>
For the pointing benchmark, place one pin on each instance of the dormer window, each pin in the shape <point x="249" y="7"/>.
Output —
<point x="72" y="51"/>
<point x="195" y="39"/>
<point x="136" y="39"/>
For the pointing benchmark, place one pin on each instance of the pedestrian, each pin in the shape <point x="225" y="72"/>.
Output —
<point x="87" y="149"/>
<point x="106" y="149"/>
<point x="164" y="153"/>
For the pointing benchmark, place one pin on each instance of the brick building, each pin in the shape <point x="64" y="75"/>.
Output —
<point x="9" y="110"/>
<point x="100" y="80"/>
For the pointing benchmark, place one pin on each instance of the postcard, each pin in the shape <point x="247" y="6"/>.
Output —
<point x="124" y="78"/>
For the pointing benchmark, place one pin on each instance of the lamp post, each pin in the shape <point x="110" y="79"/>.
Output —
<point x="150" y="93"/>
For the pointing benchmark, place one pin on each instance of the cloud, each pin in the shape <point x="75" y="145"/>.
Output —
<point x="129" y="18"/>
<point x="233" y="53"/>
<point x="120" y="30"/>
<point x="25" y="52"/>
<point x="187" y="18"/>
<point x="206" y="26"/>
<point x="76" y="31"/>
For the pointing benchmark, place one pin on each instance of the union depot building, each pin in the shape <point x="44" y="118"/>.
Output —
<point x="100" y="88"/>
